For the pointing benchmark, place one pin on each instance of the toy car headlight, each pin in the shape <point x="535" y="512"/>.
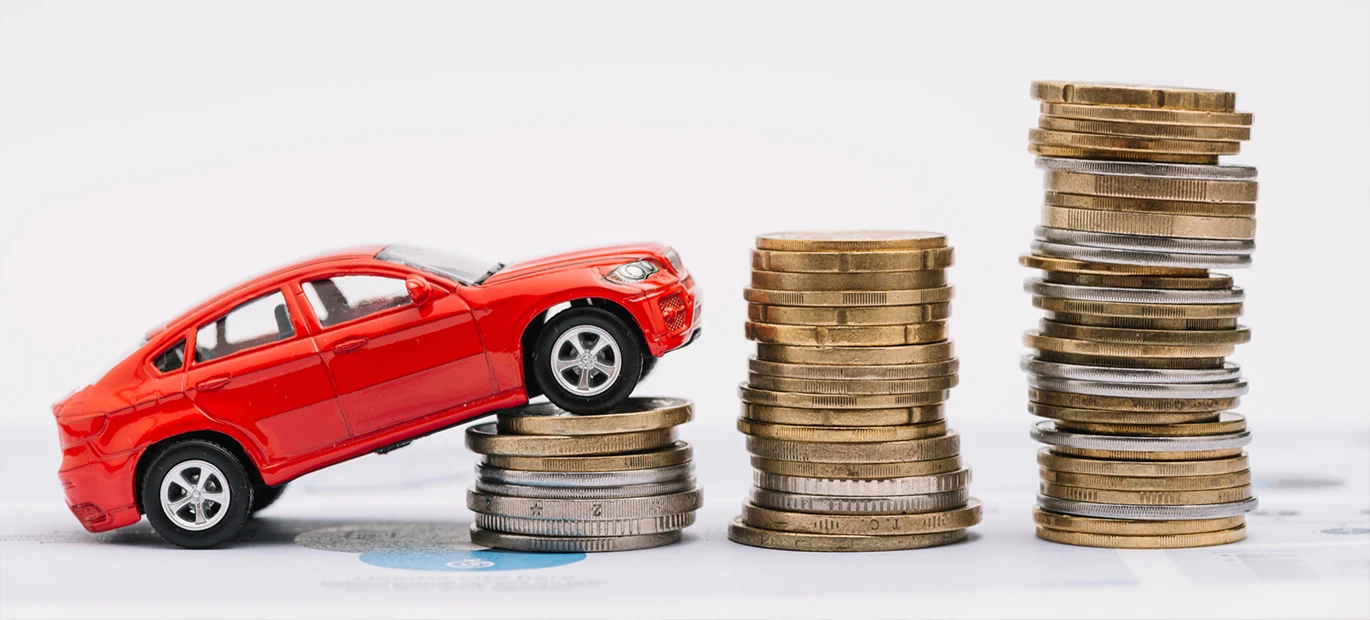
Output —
<point x="633" y="272"/>
<point x="673" y="257"/>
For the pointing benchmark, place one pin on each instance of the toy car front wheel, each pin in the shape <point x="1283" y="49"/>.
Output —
<point x="587" y="360"/>
<point x="196" y="494"/>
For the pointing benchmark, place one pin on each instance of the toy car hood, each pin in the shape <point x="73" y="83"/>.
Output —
<point x="606" y="256"/>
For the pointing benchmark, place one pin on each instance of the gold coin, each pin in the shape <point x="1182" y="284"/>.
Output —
<point x="847" y="336"/>
<point x="634" y="414"/>
<point x="740" y="532"/>
<point x="1176" y="337"/>
<point x="852" y="262"/>
<point x="1144" y="130"/>
<point x="1147" y="498"/>
<point x="1146" y="311"/>
<point x="858" y="372"/>
<point x="1214" y="282"/>
<point x="857" y="471"/>
<point x="1135" y="96"/>
<point x="840" y="401"/>
<point x="912" y="297"/>
<point x="1073" y="152"/>
<point x="1227" y="422"/>
<point x="894" y="416"/>
<point x="929" y="449"/>
<point x="874" y="315"/>
<point x="1132" y="362"/>
<point x="1169" y="541"/>
<point x="1049" y="458"/>
<point x="1149" y="224"/>
<point x="850" y="240"/>
<point x="1046" y="342"/>
<point x="674" y="454"/>
<point x="838" y="356"/>
<point x="1147" y="115"/>
<point x="1115" y="403"/>
<point x="872" y="281"/>
<point x="1121" y="143"/>
<point x="1119" y="455"/>
<point x="1051" y="263"/>
<point x="1137" y="323"/>
<point x="483" y="439"/>
<point x="1066" y="415"/>
<point x="862" y="525"/>
<point x="849" y="386"/>
<point x="1147" y="483"/>
<point x="1147" y="205"/>
<point x="841" y="434"/>
<point x="1127" y="527"/>
<point x="1150" y="187"/>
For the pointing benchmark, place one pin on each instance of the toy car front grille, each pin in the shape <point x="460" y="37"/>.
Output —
<point x="673" y="311"/>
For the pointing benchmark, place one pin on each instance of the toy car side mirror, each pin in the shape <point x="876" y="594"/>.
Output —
<point x="419" y="290"/>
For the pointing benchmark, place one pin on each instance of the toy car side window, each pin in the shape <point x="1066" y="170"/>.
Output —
<point x="250" y="324"/>
<point x="344" y="298"/>
<point x="171" y="359"/>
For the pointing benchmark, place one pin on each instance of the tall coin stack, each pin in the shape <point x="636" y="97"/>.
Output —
<point x="559" y="482"/>
<point x="843" y="404"/>
<point x="1129" y="369"/>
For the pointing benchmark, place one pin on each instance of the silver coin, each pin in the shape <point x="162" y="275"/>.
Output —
<point x="1045" y="431"/>
<point x="912" y="485"/>
<point x="1136" y="257"/>
<point x="1146" y="169"/>
<point x="838" y="505"/>
<point x="552" y="544"/>
<point x="567" y="527"/>
<point x="1147" y="513"/>
<point x="585" y="479"/>
<point x="1230" y="389"/>
<point x="1038" y="286"/>
<point x="1145" y="243"/>
<point x="630" y="490"/>
<point x="1229" y="372"/>
<point x="585" y="509"/>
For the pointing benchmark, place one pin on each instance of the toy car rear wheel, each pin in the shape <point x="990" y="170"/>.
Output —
<point x="196" y="494"/>
<point x="587" y="360"/>
<point x="263" y="496"/>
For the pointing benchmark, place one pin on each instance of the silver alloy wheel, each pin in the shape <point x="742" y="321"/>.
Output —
<point x="586" y="360"/>
<point x="195" y="495"/>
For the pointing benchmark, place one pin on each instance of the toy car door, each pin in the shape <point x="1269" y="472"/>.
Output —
<point x="393" y="360"/>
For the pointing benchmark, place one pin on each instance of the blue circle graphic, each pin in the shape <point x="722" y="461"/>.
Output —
<point x="471" y="561"/>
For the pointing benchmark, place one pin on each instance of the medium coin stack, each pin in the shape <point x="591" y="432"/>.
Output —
<point x="843" y="406"/>
<point x="1130" y="370"/>
<point x="558" y="482"/>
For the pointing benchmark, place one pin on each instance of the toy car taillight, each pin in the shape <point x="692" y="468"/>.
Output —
<point x="74" y="428"/>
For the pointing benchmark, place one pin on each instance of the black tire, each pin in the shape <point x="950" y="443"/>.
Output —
<point x="648" y="363"/>
<point x="235" y="482"/>
<point x="263" y="496"/>
<point x="596" y="323"/>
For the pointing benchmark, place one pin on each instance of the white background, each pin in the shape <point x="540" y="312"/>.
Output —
<point x="153" y="153"/>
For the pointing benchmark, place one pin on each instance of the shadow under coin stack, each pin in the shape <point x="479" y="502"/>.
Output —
<point x="559" y="482"/>
<point x="843" y="404"/>
<point x="1129" y="367"/>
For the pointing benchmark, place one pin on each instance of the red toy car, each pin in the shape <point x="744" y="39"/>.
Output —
<point x="354" y="352"/>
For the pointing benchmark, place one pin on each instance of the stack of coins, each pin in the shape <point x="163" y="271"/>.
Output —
<point x="1130" y="367"/>
<point x="559" y="482"/>
<point x="843" y="404"/>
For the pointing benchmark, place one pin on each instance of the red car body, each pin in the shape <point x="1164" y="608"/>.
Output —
<point x="332" y="393"/>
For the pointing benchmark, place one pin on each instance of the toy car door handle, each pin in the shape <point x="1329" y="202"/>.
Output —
<point x="349" y="345"/>
<point x="213" y="383"/>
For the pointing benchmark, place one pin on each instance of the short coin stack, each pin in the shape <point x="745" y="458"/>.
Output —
<point x="1130" y="367"/>
<point x="843" y="404"/>
<point x="559" y="482"/>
